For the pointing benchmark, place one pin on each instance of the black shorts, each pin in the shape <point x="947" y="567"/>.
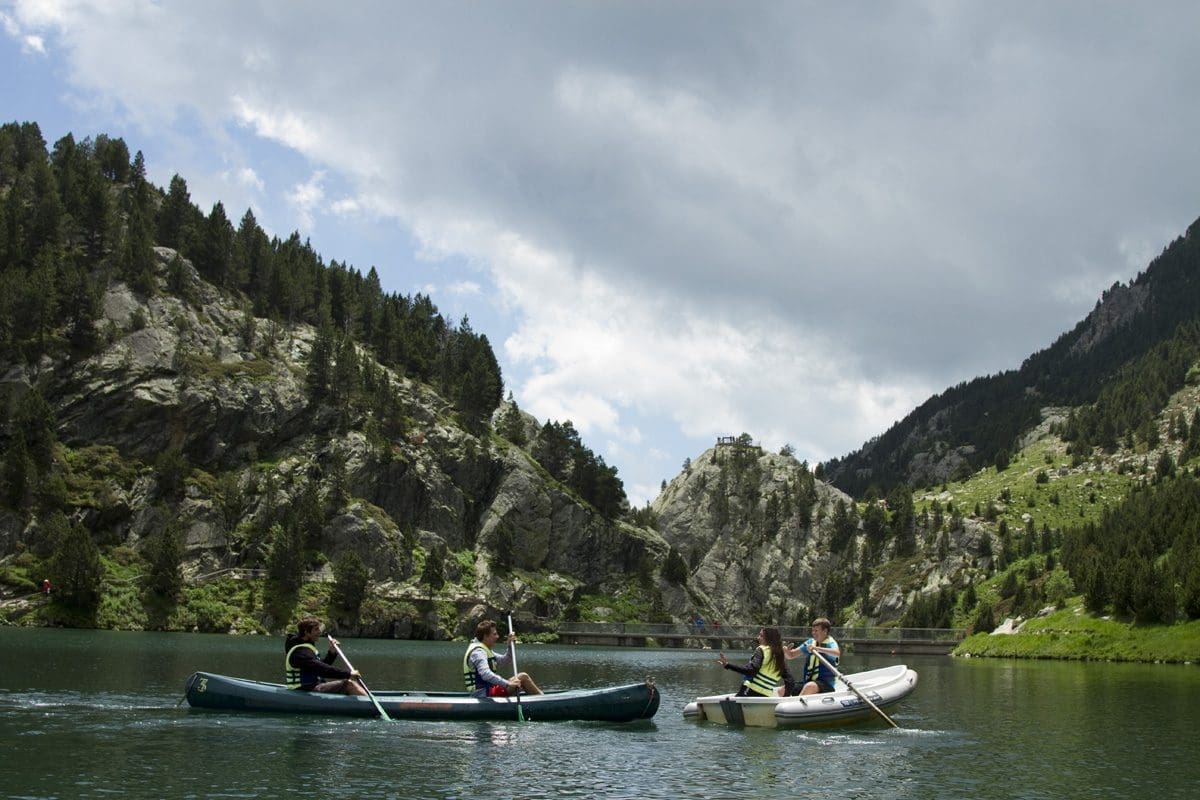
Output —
<point x="822" y="687"/>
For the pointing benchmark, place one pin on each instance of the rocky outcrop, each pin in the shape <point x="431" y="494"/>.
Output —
<point x="203" y="378"/>
<point x="1115" y="309"/>
<point x="758" y="534"/>
<point x="754" y="529"/>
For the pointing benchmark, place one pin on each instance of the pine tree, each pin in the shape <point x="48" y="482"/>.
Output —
<point x="176" y="217"/>
<point x="318" y="371"/>
<point x="75" y="567"/>
<point x="433" y="576"/>
<point x="350" y="584"/>
<point x="171" y="471"/>
<point x="308" y="518"/>
<point x="214" y="248"/>
<point x="19" y="473"/>
<point x="165" y="554"/>
<point x="345" y="381"/>
<point x="903" y="522"/>
<point x="511" y="425"/>
<point x="675" y="568"/>
<point x="285" y="563"/>
<point x="137" y="258"/>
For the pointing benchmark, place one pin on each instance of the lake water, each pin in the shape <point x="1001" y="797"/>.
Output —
<point x="94" y="714"/>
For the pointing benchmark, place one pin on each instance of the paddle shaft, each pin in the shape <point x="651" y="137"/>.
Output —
<point x="512" y="651"/>
<point x="512" y="646"/>
<point x="361" y="682"/>
<point x="860" y="695"/>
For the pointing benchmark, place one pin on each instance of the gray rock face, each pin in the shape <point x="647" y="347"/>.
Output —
<point x="755" y="530"/>
<point x="1116" y="307"/>
<point x="228" y="392"/>
<point x="750" y="563"/>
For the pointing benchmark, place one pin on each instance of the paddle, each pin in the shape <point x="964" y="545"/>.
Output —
<point x="361" y="682"/>
<point x="512" y="651"/>
<point x="861" y="696"/>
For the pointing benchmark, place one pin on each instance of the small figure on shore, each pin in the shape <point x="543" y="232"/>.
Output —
<point x="305" y="671"/>
<point x="46" y="586"/>
<point x="480" y="662"/>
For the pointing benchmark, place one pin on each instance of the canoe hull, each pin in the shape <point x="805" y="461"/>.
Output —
<point x="884" y="687"/>
<point x="206" y="690"/>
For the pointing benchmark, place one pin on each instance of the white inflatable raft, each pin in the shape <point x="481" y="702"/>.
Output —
<point x="884" y="687"/>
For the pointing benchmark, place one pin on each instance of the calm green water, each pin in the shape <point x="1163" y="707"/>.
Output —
<point x="86" y="714"/>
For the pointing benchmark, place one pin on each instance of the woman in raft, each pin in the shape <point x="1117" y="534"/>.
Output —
<point x="766" y="670"/>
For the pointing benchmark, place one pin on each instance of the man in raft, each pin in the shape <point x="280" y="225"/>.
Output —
<point x="817" y="678"/>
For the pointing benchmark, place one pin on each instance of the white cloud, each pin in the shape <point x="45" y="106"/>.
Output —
<point x="305" y="199"/>
<point x="345" y="207"/>
<point x="464" y="288"/>
<point x="30" y="43"/>
<point x="281" y="125"/>
<point x="795" y="221"/>
<point x="245" y="177"/>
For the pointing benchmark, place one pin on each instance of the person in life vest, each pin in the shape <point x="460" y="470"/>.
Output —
<point x="480" y="663"/>
<point x="817" y="678"/>
<point x="46" y="586"/>
<point x="303" y="669"/>
<point x="767" y="668"/>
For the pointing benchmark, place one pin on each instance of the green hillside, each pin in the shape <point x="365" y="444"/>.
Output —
<point x="1113" y="535"/>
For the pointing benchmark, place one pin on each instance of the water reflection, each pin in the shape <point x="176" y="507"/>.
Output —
<point x="92" y="714"/>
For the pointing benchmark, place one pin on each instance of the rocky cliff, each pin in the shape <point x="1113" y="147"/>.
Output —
<point x="203" y="379"/>
<point x="191" y="413"/>
<point x="764" y="540"/>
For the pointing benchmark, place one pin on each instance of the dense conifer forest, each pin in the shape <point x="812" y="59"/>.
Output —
<point x="80" y="216"/>
<point x="83" y="214"/>
<point x="1142" y="560"/>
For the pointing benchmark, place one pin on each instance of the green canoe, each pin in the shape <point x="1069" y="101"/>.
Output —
<point x="611" y="704"/>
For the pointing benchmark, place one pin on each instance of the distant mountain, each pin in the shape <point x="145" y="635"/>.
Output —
<point x="981" y="422"/>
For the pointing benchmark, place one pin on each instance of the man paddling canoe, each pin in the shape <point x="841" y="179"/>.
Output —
<point x="304" y="670"/>
<point x="480" y="662"/>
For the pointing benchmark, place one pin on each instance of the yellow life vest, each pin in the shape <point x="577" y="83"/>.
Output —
<point x="813" y="667"/>
<point x="769" y="675"/>
<point x="472" y="679"/>
<point x="291" y="675"/>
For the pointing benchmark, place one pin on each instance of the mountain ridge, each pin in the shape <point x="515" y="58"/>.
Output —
<point x="973" y="423"/>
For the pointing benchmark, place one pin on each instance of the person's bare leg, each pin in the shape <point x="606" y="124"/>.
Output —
<point x="527" y="684"/>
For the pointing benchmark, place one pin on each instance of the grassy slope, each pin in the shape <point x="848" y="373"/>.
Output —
<point x="1082" y="494"/>
<point x="1071" y="633"/>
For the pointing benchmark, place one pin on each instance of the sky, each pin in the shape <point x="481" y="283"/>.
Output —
<point x="673" y="220"/>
